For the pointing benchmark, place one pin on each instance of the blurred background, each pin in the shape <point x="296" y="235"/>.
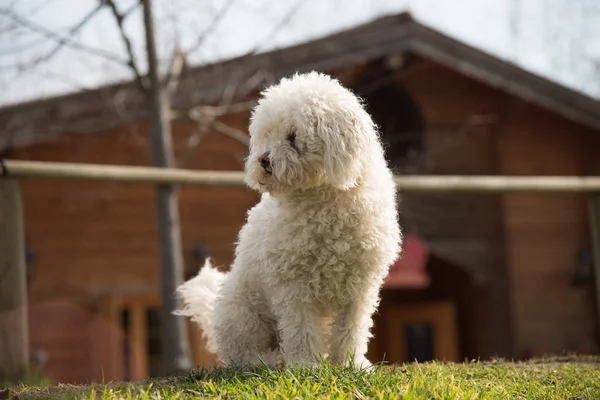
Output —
<point x="496" y="87"/>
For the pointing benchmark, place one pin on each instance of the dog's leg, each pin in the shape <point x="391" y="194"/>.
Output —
<point x="243" y="336"/>
<point x="352" y="330"/>
<point x="302" y="341"/>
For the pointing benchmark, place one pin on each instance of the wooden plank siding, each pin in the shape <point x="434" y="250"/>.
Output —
<point x="545" y="234"/>
<point x="96" y="241"/>
<point x="82" y="231"/>
<point x="521" y="248"/>
<point x="465" y="229"/>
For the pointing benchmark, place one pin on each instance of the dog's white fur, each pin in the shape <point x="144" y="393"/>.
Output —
<point x="312" y="257"/>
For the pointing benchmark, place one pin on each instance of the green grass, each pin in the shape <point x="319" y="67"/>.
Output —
<point x="556" y="378"/>
<point x="32" y="378"/>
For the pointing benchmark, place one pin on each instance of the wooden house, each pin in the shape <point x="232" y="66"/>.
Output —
<point x="485" y="274"/>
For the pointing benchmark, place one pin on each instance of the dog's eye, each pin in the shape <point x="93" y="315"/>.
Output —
<point x="291" y="137"/>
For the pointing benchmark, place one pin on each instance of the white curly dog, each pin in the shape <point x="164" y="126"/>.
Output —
<point x="313" y="254"/>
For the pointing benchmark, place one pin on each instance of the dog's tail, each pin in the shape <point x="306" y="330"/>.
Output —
<point x="199" y="295"/>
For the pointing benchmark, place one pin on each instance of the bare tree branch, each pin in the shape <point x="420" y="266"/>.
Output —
<point x="210" y="113"/>
<point x="15" y="27"/>
<point x="193" y="142"/>
<point x="277" y="28"/>
<point x="197" y="116"/>
<point x="178" y="62"/>
<point x="229" y="92"/>
<point x="217" y="111"/>
<point x="204" y="124"/>
<point x="131" y="9"/>
<point x="24" y="46"/>
<point x="205" y="117"/>
<point x="231" y="132"/>
<point x="62" y="41"/>
<point x="213" y="25"/>
<point x="195" y="138"/>
<point x="119" y="18"/>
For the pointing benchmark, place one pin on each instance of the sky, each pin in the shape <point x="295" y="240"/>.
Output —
<point x="558" y="39"/>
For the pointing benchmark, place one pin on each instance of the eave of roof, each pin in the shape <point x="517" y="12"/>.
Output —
<point x="388" y="35"/>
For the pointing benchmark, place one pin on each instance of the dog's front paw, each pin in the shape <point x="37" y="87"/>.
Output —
<point x="273" y="359"/>
<point x="300" y="362"/>
<point x="279" y="362"/>
<point x="359" y="363"/>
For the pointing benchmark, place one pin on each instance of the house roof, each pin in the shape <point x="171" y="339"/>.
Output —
<point x="121" y="103"/>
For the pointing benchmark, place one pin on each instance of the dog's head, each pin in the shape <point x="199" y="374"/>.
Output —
<point x="307" y="131"/>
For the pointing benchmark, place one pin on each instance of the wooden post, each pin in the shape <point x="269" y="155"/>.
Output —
<point x="175" y="342"/>
<point x="138" y="336"/>
<point x="14" y="340"/>
<point x="594" y="209"/>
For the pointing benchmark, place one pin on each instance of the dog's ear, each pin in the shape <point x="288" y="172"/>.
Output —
<point x="345" y="136"/>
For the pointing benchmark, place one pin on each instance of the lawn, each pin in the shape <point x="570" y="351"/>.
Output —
<point x="555" y="378"/>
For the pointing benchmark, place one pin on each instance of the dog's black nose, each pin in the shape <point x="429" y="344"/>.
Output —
<point x="264" y="162"/>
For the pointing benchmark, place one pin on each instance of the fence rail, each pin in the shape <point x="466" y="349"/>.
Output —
<point x="443" y="183"/>
<point x="14" y="329"/>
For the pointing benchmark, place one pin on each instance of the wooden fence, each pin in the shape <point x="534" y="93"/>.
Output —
<point x="153" y="175"/>
<point x="13" y="311"/>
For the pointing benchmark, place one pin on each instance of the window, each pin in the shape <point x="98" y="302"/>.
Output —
<point x="419" y="343"/>
<point x="153" y="345"/>
<point x="397" y="115"/>
<point x="142" y="349"/>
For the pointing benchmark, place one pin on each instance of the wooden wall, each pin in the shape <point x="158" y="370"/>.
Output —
<point x="521" y="248"/>
<point x="98" y="239"/>
<point x="94" y="240"/>
<point x="545" y="233"/>
<point x="462" y="119"/>
<point x="461" y="133"/>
